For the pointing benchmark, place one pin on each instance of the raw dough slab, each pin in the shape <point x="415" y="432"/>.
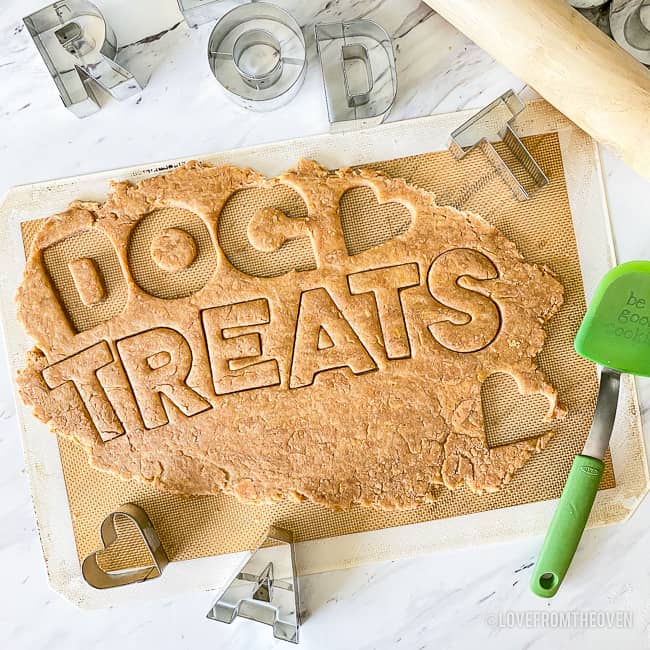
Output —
<point x="357" y="382"/>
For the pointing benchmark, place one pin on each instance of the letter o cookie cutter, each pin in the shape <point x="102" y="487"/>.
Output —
<point x="257" y="54"/>
<point x="629" y="21"/>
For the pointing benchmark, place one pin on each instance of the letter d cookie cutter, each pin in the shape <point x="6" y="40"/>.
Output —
<point x="78" y="46"/>
<point x="359" y="72"/>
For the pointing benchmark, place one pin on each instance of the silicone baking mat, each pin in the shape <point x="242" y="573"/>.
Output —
<point x="192" y="527"/>
<point x="542" y="228"/>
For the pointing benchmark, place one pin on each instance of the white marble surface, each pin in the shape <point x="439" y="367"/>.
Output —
<point x="446" y="600"/>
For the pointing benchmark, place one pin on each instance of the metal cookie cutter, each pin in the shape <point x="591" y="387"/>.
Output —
<point x="198" y="12"/>
<point x="597" y="15"/>
<point x="492" y="124"/>
<point x="257" y="54"/>
<point x="99" y="578"/>
<point x="629" y="21"/>
<point x="266" y="588"/>
<point x="359" y="73"/>
<point x="586" y="4"/>
<point x="78" y="46"/>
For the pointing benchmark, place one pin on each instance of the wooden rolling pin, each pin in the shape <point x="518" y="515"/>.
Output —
<point x="570" y="62"/>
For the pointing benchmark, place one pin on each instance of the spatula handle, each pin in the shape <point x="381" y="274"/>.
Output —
<point x="567" y="526"/>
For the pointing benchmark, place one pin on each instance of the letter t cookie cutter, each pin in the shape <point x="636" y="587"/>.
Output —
<point x="78" y="46"/>
<point x="493" y="124"/>
<point x="265" y="589"/>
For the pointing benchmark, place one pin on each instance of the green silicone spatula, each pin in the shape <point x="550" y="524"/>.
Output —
<point x="614" y="333"/>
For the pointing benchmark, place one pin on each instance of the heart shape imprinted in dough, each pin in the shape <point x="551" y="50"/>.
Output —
<point x="365" y="228"/>
<point x="98" y="577"/>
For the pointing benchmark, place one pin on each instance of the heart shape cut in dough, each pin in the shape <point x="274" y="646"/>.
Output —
<point x="99" y="577"/>
<point x="369" y="221"/>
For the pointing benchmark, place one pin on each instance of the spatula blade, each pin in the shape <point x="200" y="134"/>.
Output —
<point x="615" y="331"/>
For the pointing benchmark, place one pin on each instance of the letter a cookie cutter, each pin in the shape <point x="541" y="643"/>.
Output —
<point x="78" y="46"/>
<point x="100" y="578"/>
<point x="359" y="72"/>
<point x="265" y="589"/>
<point x="493" y="124"/>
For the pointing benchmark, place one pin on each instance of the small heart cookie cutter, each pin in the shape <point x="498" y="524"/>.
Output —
<point x="98" y="578"/>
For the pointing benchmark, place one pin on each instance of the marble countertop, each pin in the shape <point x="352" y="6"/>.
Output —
<point x="447" y="600"/>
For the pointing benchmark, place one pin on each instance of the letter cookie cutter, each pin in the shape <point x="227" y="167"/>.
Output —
<point x="199" y="12"/>
<point x="100" y="578"/>
<point x="493" y="124"/>
<point x="265" y="589"/>
<point x="598" y="14"/>
<point x="78" y="46"/>
<point x="629" y="21"/>
<point x="586" y="4"/>
<point x="359" y="72"/>
<point x="257" y="54"/>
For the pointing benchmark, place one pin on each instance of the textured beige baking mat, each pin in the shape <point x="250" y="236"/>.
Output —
<point x="543" y="230"/>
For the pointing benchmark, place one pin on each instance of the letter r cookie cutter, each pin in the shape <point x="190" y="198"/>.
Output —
<point x="493" y="124"/>
<point x="78" y="46"/>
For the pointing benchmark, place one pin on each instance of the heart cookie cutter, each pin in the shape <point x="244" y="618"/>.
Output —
<point x="493" y="124"/>
<point x="99" y="578"/>
<point x="265" y="589"/>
